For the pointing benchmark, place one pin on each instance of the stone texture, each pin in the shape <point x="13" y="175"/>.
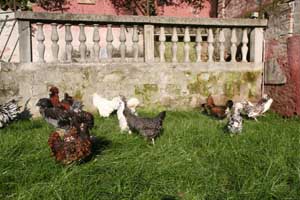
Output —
<point x="169" y="85"/>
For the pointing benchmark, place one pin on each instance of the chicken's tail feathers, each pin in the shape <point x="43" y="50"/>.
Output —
<point x="162" y="115"/>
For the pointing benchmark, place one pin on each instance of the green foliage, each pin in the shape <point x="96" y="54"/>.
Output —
<point x="20" y="4"/>
<point x="151" y="7"/>
<point x="193" y="159"/>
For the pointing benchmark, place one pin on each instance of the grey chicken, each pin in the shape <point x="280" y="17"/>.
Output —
<point x="262" y="106"/>
<point x="9" y="112"/>
<point x="150" y="128"/>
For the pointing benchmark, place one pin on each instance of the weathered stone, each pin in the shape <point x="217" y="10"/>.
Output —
<point x="169" y="85"/>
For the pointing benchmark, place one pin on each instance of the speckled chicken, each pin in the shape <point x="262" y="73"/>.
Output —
<point x="9" y="112"/>
<point x="217" y="111"/>
<point x="235" y="120"/>
<point x="150" y="128"/>
<point x="70" y="145"/>
<point x="256" y="110"/>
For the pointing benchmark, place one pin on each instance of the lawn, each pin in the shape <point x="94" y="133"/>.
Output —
<point x="193" y="159"/>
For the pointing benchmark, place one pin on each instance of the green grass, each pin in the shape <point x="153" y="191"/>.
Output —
<point x="193" y="159"/>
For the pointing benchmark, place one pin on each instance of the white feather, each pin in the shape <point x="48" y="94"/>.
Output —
<point x="105" y="107"/>
<point x="122" y="120"/>
<point x="132" y="103"/>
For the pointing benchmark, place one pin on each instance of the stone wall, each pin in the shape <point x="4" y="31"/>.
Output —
<point x="172" y="86"/>
<point x="279" y="76"/>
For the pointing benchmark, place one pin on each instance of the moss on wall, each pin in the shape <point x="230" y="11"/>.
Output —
<point x="145" y="91"/>
<point x="230" y="82"/>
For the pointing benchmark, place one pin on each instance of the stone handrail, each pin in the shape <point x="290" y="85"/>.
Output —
<point x="250" y="44"/>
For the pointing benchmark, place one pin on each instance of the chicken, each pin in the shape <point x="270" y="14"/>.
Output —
<point x="262" y="106"/>
<point x="55" y="116"/>
<point x="150" y="128"/>
<point x="60" y="118"/>
<point x="132" y="103"/>
<point x="70" y="145"/>
<point x="54" y="98"/>
<point x="9" y="112"/>
<point x="122" y="120"/>
<point x="105" y="107"/>
<point x="235" y="121"/>
<point x="217" y="111"/>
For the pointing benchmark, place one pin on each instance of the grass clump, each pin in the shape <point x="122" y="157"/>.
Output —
<point x="193" y="159"/>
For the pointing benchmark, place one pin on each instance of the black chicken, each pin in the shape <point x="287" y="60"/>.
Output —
<point x="9" y="112"/>
<point x="147" y="127"/>
<point x="64" y="119"/>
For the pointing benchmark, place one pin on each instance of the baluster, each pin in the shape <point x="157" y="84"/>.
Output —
<point x="122" y="39"/>
<point x="198" y="45"/>
<point x="162" y="47"/>
<point x="222" y="47"/>
<point x="174" y="45"/>
<point x="245" y="47"/>
<point x="186" y="40"/>
<point x="233" y="45"/>
<point x="210" y="41"/>
<point x="68" y="39"/>
<point x="96" y="40"/>
<point x="135" y="46"/>
<point x="109" y="40"/>
<point x="82" y="46"/>
<point x="54" y="39"/>
<point x="40" y="39"/>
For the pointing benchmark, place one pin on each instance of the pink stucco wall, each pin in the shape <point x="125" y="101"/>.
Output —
<point x="107" y="8"/>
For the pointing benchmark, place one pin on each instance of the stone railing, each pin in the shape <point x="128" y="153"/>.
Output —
<point x="148" y="39"/>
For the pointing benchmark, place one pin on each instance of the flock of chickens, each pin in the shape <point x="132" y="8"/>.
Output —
<point x="234" y="112"/>
<point x="71" y="141"/>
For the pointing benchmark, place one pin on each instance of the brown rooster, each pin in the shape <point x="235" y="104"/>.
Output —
<point x="217" y="111"/>
<point x="54" y="98"/>
<point x="73" y="144"/>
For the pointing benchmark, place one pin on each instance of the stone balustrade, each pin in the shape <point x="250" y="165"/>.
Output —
<point x="163" y="39"/>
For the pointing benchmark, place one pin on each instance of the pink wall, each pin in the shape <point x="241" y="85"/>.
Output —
<point x="106" y="7"/>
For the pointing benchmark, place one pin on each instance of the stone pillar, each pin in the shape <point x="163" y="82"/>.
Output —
<point x="25" y="49"/>
<point x="256" y="45"/>
<point x="149" y="43"/>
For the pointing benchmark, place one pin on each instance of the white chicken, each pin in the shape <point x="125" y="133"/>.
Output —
<point x="106" y="107"/>
<point x="122" y="120"/>
<point x="132" y="104"/>
<point x="262" y="106"/>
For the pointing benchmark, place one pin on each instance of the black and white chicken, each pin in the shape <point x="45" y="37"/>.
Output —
<point x="9" y="112"/>
<point x="256" y="110"/>
<point x="150" y="128"/>
<point x="235" y="120"/>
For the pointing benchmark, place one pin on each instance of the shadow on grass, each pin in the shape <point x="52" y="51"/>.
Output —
<point x="99" y="144"/>
<point x="169" y="197"/>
